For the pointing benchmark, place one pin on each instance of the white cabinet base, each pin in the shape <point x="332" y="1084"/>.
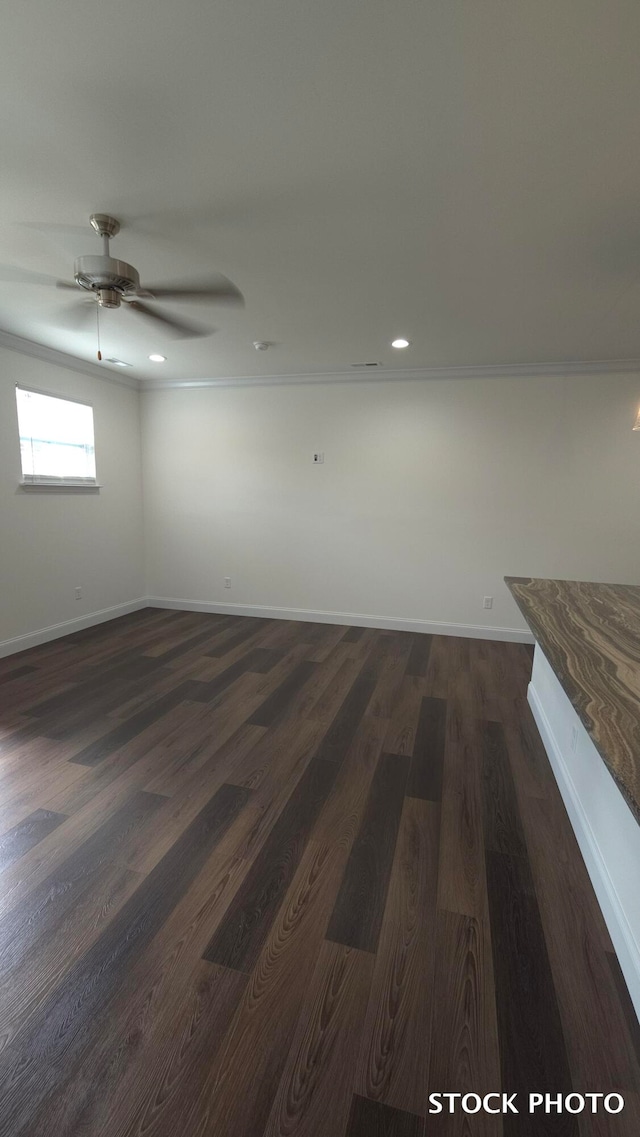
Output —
<point x="606" y="829"/>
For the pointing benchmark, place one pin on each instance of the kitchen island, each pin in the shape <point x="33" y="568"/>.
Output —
<point x="585" y="697"/>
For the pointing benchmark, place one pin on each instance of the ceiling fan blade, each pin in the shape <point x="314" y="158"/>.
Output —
<point x="25" y="276"/>
<point x="77" y="316"/>
<point x="218" y="288"/>
<point x="180" y="327"/>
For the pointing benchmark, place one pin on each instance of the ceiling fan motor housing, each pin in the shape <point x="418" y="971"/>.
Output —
<point x="106" y="276"/>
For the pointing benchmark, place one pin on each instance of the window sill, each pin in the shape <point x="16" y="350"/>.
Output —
<point x="60" y="487"/>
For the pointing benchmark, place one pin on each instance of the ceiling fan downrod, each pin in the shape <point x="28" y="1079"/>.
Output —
<point x="106" y="227"/>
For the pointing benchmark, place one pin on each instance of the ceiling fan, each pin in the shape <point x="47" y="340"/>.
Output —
<point x="112" y="282"/>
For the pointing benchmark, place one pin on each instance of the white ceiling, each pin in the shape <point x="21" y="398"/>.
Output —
<point x="465" y="174"/>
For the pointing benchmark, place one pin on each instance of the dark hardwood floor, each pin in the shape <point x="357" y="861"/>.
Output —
<point x="288" y="879"/>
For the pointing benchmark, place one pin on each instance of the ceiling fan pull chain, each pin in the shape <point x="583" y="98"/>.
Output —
<point x="98" y="327"/>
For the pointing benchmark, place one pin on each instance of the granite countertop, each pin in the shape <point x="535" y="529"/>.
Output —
<point x="590" y="633"/>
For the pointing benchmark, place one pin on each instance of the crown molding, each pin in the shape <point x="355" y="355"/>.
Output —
<point x="484" y="371"/>
<point x="61" y="359"/>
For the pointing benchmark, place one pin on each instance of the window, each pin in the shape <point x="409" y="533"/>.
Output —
<point x="56" y="440"/>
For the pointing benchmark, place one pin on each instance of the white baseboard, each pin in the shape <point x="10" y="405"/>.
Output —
<point x="55" y="631"/>
<point x="613" y="910"/>
<point x="353" y="619"/>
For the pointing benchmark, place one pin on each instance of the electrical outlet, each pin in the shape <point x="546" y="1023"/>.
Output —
<point x="227" y="582"/>
<point x="318" y="457"/>
<point x="78" y="593"/>
<point x="487" y="602"/>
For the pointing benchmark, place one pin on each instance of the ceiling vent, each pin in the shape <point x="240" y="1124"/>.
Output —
<point x="362" y="365"/>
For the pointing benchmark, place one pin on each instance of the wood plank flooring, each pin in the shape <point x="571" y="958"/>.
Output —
<point x="275" y="879"/>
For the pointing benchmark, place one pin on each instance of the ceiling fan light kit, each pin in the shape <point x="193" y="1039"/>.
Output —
<point x="108" y="278"/>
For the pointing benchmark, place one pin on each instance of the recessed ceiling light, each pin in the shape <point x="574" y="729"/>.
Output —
<point x="400" y="343"/>
<point x="157" y="358"/>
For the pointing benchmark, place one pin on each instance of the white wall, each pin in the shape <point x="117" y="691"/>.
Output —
<point x="52" y="542"/>
<point x="431" y="491"/>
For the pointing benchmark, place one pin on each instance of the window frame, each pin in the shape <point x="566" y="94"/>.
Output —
<point x="50" y="481"/>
